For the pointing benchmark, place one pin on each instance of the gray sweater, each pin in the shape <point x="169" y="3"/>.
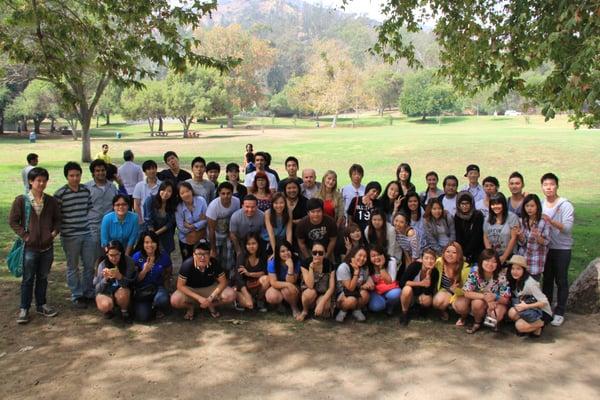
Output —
<point x="564" y="213"/>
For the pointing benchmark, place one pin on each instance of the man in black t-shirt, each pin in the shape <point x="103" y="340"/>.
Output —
<point x="316" y="227"/>
<point x="360" y="209"/>
<point x="202" y="283"/>
<point x="173" y="173"/>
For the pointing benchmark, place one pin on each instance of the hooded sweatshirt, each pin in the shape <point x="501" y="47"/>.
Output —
<point x="469" y="228"/>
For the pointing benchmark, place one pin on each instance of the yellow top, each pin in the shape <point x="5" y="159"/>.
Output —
<point x="102" y="156"/>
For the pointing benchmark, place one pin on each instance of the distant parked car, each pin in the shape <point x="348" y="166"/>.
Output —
<point x="512" y="113"/>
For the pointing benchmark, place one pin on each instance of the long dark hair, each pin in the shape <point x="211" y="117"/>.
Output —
<point x="538" y="213"/>
<point x="429" y="207"/>
<point x="260" y="254"/>
<point x="171" y="203"/>
<point x="286" y="213"/>
<point x="404" y="204"/>
<point x="352" y="253"/>
<point x="486" y="255"/>
<point x="116" y="245"/>
<point x="380" y="250"/>
<point x="498" y="198"/>
<point x="140" y="244"/>
<point x="408" y="169"/>
<point x="387" y="204"/>
<point x="374" y="238"/>
<point x="517" y="284"/>
<point x="277" y="259"/>
<point x="186" y="185"/>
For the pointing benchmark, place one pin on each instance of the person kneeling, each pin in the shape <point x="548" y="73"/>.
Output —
<point x="353" y="285"/>
<point x="201" y="283"/>
<point x="418" y="284"/>
<point x="116" y="275"/>
<point x="283" y="274"/>
<point x="318" y="283"/>
<point x="531" y="309"/>
<point x="251" y="278"/>
<point x="386" y="294"/>
<point x="488" y="291"/>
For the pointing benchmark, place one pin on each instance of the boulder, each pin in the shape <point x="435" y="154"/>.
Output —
<point x="584" y="293"/>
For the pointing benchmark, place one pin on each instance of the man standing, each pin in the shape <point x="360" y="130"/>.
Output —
<point x="355" y="188"/>
<point x="309" y="186"/>
<point x="35" y="218"/>
<point x="145" y="188"/>
<point x="316" y="227"/>
<point x="473" y="186"/>
<point x="449" y="197"/>
<point x="248" y="219"/>
<point x="102" y="193"/>
<point x="173" y="173"/>
<point x="260" y="162"/>
<point x="202" y="187"/>
<point x="213" y="169"/>
<point x="130" y="173"/>
<point x="219" y="214"/>
<point x="291" y="166"/>
<point x="103" y="155"/>
<point x="32" y="162"/>
<point x="75" y="203"/>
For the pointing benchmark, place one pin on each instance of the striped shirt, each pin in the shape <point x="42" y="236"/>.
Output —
<point x="74" y="207"/>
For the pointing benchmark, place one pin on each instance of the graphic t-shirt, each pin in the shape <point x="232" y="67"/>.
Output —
<point x="319" y="233"/>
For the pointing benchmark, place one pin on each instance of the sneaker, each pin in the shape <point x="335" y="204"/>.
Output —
<point x="79" y="303"/>
<point x="341" y="315"/>
<point x="358" y="315"/>
<point x="23" y="317"/>
<point x="557" y="320"/>
<point x="47" y="311"/>
<point x="260" y="306"/>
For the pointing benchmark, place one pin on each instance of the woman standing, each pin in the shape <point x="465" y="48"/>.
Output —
<point x="500" y="228"/>
<point x="115" y="277"/>
<point x="191" y="219"/>
<point x="403" y="176"/>
<point x="151" y="294"/>
<point x="468" y="223"/>
<point x="333" y="203"/>
<point x="412" y="207"/>
<point x="278" y="223"/>
<point x="533" y="236"/>
<point x="453" y="273"/>
<point x="487" y="290"/>
<point x="121" y="224"/>
<point x="432" y="192"/>
<point x="260" y="189"/>
<point x="390" y="199"/>
<point x="318" y="283"/>
<point x="283" y="270"/>
<point x="439" y="226"/>
<point x="159" y="215"/>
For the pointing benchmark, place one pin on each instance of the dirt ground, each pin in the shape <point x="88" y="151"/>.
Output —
<point x="269" y="356"/>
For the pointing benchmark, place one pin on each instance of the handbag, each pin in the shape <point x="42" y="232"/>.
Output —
<point x="194" y="237"/>
<point x="15" y="257"/>
<point x="145" y="293"/>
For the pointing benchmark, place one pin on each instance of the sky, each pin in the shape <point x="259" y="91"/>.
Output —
<point x="370" y="8"/>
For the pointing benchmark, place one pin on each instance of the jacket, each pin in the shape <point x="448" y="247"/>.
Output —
<point x="39" y="236"/>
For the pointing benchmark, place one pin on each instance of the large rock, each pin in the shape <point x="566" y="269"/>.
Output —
<point x="584" y="293"/>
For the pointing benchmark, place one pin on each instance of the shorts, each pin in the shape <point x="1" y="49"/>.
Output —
<point x="204" y="292"/>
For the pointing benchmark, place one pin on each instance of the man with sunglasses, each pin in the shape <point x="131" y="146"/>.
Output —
<point x="201" y="283"/>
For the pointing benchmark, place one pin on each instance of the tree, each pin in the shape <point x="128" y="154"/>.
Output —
<point x="487" y="44"/>
<point x="36" y="102"/>
<point x="81" y="46"/>
<point x="199" y="93"/>
<point x="246" y="83"/>
<point x="5" y="100"/>
<point x="423" y="95"/>
<point x="383" y="85"/>
<point x="110" y="102"/>
<point x="149" y="103"/>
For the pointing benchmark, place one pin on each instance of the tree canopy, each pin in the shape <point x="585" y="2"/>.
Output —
<point x="489" y="43"/>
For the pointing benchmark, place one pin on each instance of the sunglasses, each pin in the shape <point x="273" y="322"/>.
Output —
<point x="318" y="253"/>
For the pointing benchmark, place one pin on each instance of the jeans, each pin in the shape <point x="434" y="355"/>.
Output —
<point x="378" y="302"/>
<point x="144" y="310"/>
<point x="36" y="267"/>
<point x="95" y="236"/>
<point x="556" y="271"/>
<point x="80" y="281"/>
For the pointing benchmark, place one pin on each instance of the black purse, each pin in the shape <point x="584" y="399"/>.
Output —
<point x="145" y="293"/>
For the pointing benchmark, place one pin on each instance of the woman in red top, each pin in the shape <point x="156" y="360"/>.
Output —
<point x="333" y="203"/>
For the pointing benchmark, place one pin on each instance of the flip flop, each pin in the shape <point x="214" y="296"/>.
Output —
<point x="460" y="322"/>
<point x="214" y="313"/>
<point x="473" y="328"/>
<point x="189" y="315"/>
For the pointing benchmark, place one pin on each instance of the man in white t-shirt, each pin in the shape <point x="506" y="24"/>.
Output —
<point x="219" y="213"/>
<point x="449" y="196"/>
<point x="32" y="162"/>
<point x="145" y="188"/>
<point x="260" y="162"/>
<point x="354" y="189"/>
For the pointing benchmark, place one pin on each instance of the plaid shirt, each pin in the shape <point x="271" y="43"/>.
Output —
<point x="531" y="249"/>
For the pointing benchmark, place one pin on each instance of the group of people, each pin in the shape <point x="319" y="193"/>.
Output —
<point x="297" y="244"/>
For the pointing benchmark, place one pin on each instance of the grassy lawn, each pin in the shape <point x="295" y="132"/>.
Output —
<point x="499" y="145"/>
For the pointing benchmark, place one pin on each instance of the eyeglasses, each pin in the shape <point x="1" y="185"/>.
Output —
<point x="318" y="253"/>
<point x="201" y="254"/>
<point x="121" y="205"/>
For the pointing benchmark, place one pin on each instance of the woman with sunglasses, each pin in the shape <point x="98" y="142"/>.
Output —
<point x="318" y="283"/>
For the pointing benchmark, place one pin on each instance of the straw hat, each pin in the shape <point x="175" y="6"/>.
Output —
<point x="519" y="260"/>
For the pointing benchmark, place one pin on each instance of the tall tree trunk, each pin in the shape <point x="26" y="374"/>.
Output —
<point x="52" y="124"/>
<point x="36" y="125"/>
<point x="86" y="145"/>
<point x="151" y="125"/>
<point x="24" y="125"/>
<point x="334" y="122"/>
<point x="160" y="124"/>
<point x="107" y="118"/>
<point x="1" y="122"/>
<point x="97" y="121"/>
<point x="230" y="120"/>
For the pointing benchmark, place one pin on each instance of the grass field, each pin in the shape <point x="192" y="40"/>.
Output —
<point x="499" y="145"/>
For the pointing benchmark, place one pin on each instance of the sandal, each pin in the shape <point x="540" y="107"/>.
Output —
<point x="461" y="322"/>
<point x="474" y="328"/>
<point x="214" y="313"/>
<point x="189" y="315"/>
